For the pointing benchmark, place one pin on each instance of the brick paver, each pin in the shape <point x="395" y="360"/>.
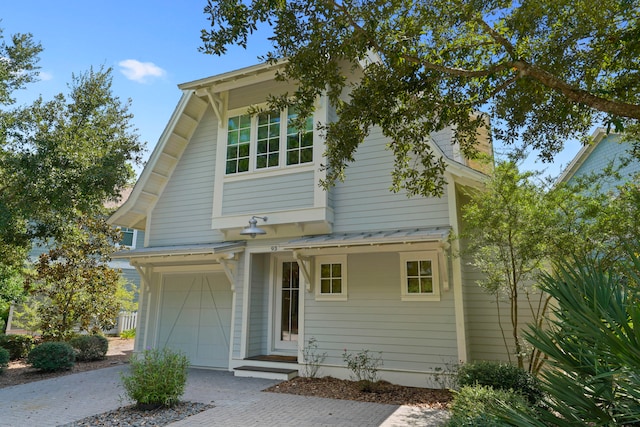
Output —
<point x="238" y="402"/>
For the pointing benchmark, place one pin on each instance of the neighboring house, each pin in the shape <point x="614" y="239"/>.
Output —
<point x="595" y="157"/>
<point x="356" y="267"/>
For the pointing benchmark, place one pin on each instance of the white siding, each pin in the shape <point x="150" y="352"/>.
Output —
<point x="269" y="194"/>
<point x="185" y="208"/>
<point x="364" y="202"/>
<point x="416" y="335"/>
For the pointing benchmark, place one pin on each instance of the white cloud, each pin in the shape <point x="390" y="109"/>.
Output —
<point x="140" y="71"/>
<point x="44" y="75"/>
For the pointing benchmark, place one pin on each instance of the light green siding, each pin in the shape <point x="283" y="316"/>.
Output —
<point x="365" y="202"/>
<point x="414" y="335"/>
<point x="258" y="306"/>
<point x="184" y="210"/>
<point x="268" y="194"/>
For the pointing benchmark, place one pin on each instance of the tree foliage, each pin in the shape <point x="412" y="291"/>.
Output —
<point x="74" y="283"/>
<point x="59" y="159"/>
<point x="508" y="229"/>
<point x="543" y="71"/>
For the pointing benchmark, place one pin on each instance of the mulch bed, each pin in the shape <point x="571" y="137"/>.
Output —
<point x="384" y="392"/>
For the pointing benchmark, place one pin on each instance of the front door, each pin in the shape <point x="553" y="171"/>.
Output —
<point x="287" y="304"/>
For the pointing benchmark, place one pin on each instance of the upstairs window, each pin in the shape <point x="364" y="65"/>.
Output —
<point x="238" y="143"/>
<point x="267" y="140"/>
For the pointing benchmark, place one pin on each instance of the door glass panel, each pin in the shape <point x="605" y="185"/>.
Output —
<point x="289" y="299"/>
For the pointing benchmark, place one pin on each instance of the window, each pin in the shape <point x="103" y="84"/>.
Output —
<point x="420" y="280"/>
<point x="238" y="143"/>
<point x="262" y="141"/>
<point x="128" y="237"/>
<point x="331" y="278"/>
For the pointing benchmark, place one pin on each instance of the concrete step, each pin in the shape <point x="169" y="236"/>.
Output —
<point x="266" y="372"/>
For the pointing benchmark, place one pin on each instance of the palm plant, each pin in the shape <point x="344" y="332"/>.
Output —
<point x="593" y="346"/>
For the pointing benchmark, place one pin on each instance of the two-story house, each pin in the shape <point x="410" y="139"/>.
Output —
<point x="246" y="257"/>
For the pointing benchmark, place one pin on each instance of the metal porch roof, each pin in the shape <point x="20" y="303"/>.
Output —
<point x="163" y="251"/>
<point x="433" y="234"/>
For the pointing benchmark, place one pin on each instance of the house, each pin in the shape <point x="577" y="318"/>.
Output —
<point x="597" y="156"/>
<point x="356" y="267"/>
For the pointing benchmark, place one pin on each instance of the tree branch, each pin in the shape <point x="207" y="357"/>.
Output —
<point x="574" y="94"/>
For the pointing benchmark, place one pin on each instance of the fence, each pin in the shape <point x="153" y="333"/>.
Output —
<point x="126" y="320"/>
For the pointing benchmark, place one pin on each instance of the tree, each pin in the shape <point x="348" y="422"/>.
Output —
<point x="59" y="160"/>
<point x="74" y="284"/>
<point x="507" y="231"/>
<point x="543" y="71"/>
<point x="595" y="222"/>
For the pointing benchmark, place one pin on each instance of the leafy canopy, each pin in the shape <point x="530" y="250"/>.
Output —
<point x="543" y="71"/>
<point x="60" y="159"/>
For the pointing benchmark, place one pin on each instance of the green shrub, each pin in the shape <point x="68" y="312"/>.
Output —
<point x="128" y="334"/>
<point x="158" y="377"/>
<point x="4" y="358"/>
<point x="19" y="346"/>
<point x="500" y="376"/>
<point x="481" y="405"/>
<point x="52" y="356"/>
<point x="90" y="347"/>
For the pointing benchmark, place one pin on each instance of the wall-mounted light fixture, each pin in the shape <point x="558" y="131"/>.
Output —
<point x="253" y="229"/>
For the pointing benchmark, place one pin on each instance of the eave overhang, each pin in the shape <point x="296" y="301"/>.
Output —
<point x="186" y="254"/>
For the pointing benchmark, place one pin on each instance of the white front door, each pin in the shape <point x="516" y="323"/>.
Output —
<point x="287" y="304"/>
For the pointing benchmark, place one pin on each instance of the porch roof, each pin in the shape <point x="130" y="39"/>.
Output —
<point x="433" y="234"/>
<point x="166" y="251"/>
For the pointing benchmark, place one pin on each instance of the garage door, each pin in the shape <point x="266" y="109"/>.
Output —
<point x="195" y="317"/>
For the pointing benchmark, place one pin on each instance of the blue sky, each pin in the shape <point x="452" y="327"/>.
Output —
<point x="152" y="47"/>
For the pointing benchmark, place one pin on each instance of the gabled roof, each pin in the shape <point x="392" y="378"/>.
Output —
<point x="176" y="136"/>
<point x="196" y="97"/>
<point x="584" y="153"/>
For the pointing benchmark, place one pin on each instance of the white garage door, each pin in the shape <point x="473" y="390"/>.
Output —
<point x="195" y="317"/>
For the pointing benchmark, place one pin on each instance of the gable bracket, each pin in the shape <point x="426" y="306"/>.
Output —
<point x="217" y="104"/>
<point x="229" y="266"/>
<point x="304" y="263"/>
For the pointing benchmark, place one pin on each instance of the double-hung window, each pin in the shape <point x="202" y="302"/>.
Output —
<point x="331" y="278"/>
<point x="419" y="276"/>
<point x="267" y="140"/>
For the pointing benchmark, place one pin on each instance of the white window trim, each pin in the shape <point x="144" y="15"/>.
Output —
<point x="332" y="259"/>
<point x="253" y="147"/>
<point x="435" y="266"/>
<point x="133" y="239"/>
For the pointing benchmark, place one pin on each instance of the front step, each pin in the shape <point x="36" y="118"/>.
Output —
<point x="282" y="374"/>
